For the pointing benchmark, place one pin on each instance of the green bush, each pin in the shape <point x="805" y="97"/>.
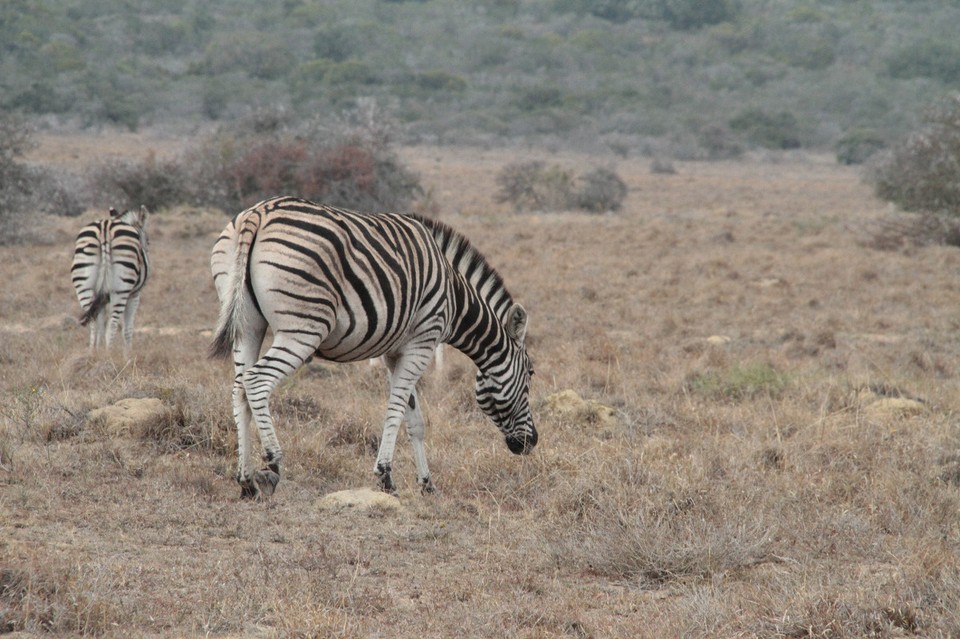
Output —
<point x="768" y="130"/>
<point x="439" y="80"/>
<point x="350" y="72"/>
<point x="740" y="382"/>
<point x="15" y="139"/>
<point x="858" y="145"/>
<point x="539" y="97"/>
<point x="930" y="58"/>
<point x="126" y="184"/>
<point x="686" y="15"/>
<point x="335" y="43"/>
<point x="261" y="56"/>
<point x="922" y="171"/>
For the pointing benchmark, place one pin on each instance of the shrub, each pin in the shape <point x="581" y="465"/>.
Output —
<point x="15" y="139"/>
<point x="768" y="130"/>
<point x="262" y="56"/>
<point x="439" y="80"/>
<point x="856" y="146"/>
<point x="350" y="72"/>
<point x="687" y="15"/>
<point x="719" y="142"/>
<point x="602" y="191"/>
<point x="926" y="59"/>
<point x="334" y="43"/>
<point x="740" y="382"/>
<point x="535" y="186"/>
<point x="922" y="172"/>
<point x="151" y="182"/>
<point x="353" y="166"/>
<point x="538" y="97"/>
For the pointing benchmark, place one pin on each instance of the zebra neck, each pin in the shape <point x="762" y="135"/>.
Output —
<point x="475" y="330"/>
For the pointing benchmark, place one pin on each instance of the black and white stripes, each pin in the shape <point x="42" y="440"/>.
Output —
<point x="346" y="287"/>
<point x="110" y="269"/>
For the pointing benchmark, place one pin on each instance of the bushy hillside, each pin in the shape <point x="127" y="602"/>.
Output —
<point x="686" y="78"/>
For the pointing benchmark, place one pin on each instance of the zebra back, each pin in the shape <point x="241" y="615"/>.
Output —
<point x="472" y="265"/>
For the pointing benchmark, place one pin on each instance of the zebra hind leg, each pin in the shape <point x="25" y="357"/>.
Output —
<point x="128" y="315"/>
<point x="254" y="484"/>
<point x="283" y="357"/>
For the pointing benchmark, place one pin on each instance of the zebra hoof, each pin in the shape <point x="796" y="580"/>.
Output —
<point x="266" y="481"/>
<point x="387" y="485"/>
<point x="426" y="486"/>
<point x="259" y="487"/>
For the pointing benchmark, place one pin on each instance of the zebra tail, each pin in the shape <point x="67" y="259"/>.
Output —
<point x="100" y="299"/>
<point x="102" y="284"/>
<point x="231" y="322"/>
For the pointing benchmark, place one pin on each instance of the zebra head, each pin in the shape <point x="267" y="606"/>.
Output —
<point x="503" y="388"/>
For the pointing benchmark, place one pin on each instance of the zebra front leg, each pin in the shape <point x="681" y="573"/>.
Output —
<point x="416" y="427"/>
<point x="405" y="371"/>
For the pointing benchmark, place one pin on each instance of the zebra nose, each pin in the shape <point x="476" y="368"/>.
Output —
<point x="523" y="443"/>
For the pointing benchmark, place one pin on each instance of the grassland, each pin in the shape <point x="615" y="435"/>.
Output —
<point x="740" y="319"/>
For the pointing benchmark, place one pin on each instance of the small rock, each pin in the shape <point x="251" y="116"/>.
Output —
<point x="359" y="499"/>
<point x="128" y="415"/>
<point x="570" y="405"/>
<point x="895" y="407"/>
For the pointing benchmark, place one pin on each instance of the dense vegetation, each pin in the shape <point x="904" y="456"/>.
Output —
<point x="667" y="77"/>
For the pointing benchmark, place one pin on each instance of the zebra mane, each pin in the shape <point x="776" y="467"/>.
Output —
<point x="470" y="263"/>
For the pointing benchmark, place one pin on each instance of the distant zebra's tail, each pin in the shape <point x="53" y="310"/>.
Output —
<point x="101" y="283"/>
<point x="99" y="301"/>
<point x="231" y="321"/>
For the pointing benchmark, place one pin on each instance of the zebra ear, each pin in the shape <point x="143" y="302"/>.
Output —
<point x="142" y="216"/>
<point x="115" y="214"/>
<point x="517" y="322"/>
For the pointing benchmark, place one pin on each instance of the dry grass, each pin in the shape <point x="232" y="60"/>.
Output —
<point x="749" y="487"/>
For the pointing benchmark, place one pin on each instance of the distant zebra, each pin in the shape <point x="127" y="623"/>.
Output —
<point x="110" y="269"/>
<point x="347" y="287"/>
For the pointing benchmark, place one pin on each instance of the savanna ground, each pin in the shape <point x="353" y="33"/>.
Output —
<point x="743" y="321"/>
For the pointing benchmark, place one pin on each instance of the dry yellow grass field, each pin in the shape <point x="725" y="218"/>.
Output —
<point x="769" y="443"/>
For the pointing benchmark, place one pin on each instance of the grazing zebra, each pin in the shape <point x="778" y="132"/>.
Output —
<point x="110" y="268"/>
<point x="347" y="287"/>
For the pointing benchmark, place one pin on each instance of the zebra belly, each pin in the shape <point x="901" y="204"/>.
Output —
<point x="349" y="340"/>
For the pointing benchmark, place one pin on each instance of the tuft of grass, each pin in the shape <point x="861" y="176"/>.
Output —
<point x="195" y="419"/>
<point x="739" y="382"/>
<point x="692" y="536"/>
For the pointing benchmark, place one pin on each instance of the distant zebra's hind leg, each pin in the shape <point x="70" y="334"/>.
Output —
<point x="128" y="315"/>
<point x="98" y="328"/>
<point x="118" y="306"/>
